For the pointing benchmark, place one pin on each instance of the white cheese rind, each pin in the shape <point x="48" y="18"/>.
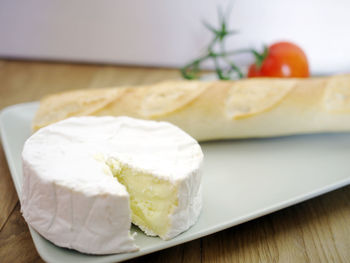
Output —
<point x="70" y="196"/>
<point x="190" y="205"/>
<point x="92" y="219"/>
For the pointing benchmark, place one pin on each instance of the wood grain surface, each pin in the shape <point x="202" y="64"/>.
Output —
<point x="317" y="230"/>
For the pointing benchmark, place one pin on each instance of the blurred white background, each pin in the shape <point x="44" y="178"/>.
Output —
<point x="170" y="33"/>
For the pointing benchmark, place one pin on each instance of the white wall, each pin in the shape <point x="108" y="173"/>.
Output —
<point x="169" y="33"/>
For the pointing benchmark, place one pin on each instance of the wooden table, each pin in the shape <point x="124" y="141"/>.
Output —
<point x="314" y="231"/>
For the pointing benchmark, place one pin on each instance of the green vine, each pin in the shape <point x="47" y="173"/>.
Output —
<point x="229" y="68"/>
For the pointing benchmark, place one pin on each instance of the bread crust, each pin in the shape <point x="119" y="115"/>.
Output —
<point x="260" y="107"/>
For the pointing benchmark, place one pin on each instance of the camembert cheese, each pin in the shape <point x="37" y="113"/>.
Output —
<point x="85" y="179"/>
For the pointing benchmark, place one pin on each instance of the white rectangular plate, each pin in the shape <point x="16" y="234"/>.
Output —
<point x="242" y="180"/>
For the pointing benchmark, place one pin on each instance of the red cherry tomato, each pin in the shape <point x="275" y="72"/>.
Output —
<point x="283" y="60"/>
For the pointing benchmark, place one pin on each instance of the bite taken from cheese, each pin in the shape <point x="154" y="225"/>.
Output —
<point x="86" y="179"/>
<point x="152" y="199"/>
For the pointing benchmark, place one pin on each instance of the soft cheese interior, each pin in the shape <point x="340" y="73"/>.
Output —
<point x="152" y="199"/>
<point x="85" y="179"/>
